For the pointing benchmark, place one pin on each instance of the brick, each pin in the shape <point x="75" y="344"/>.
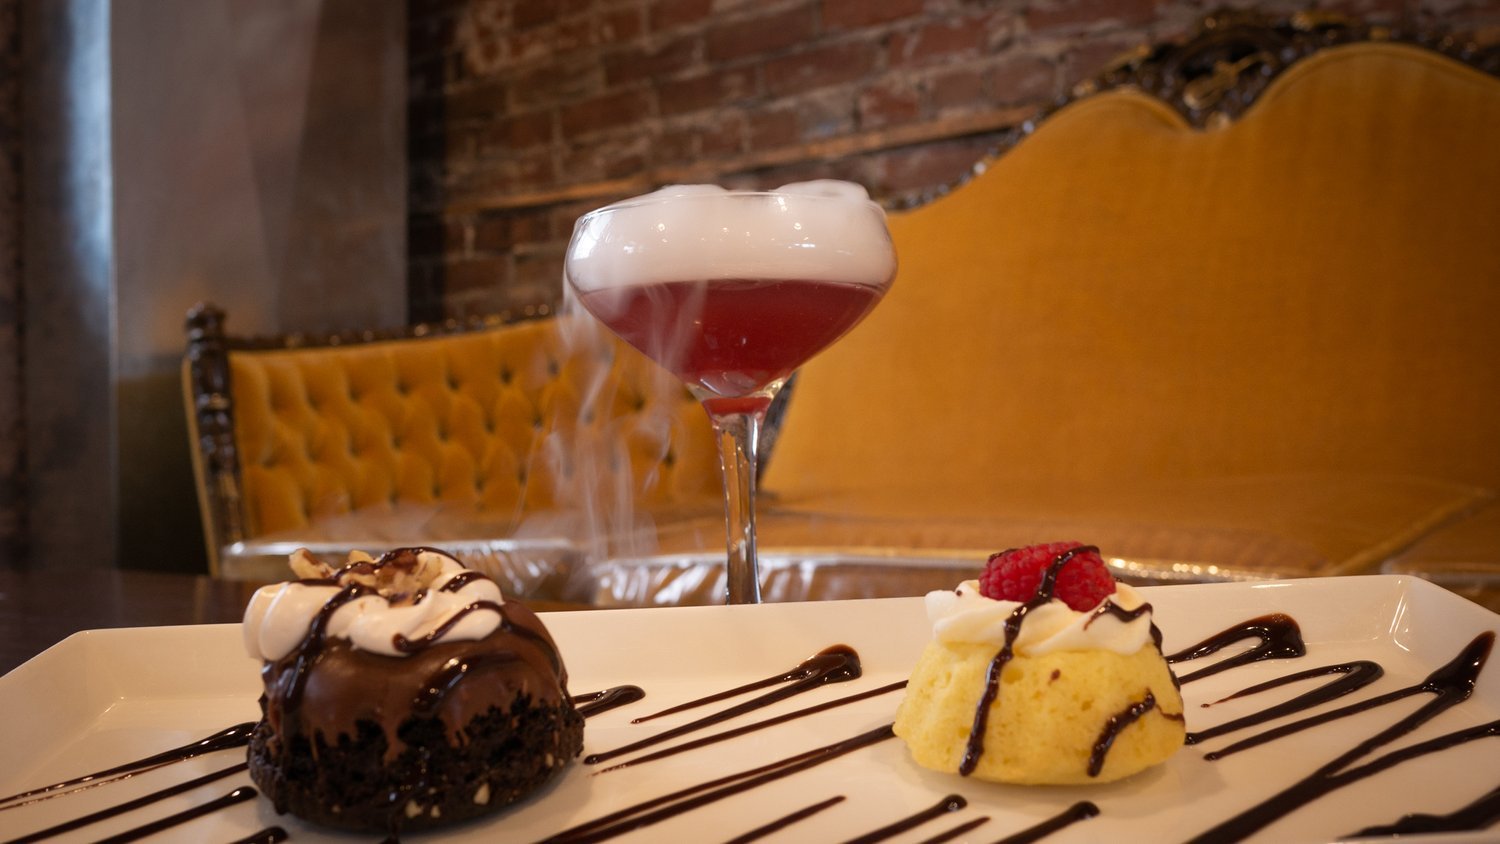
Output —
<point x="930" y="166"/>
<point x="825" y="115"/>
<point x="888" y="103"/>
<point x="758" y="35"/>
<point x="518" y="131"/>
<point x="620" y="26"/>
<point x="668" y="15"/>
<point x="549" y="84"/>
<point x="606" y="111"/>
<point x="485" y="100"/>
<point x="676" y="144"/>
<point x="635" y="64"/>
<point x="819" y="67"/>
<point x="475" y="274"/>
<point x="1022" y="79"/>
<point x="493" y="233"/>
<point x="958" y="88"/>
<point x="1081" y="14"/>
<point x="938" y="42"/>
<point x="772" y="129"/>
<point x="680" y="96"/>
<point x="540" y="270"/>
<point x="529" y="225"/>
<point x="724" y="136"/>
<point x="843" y="15"/>
<point x="527" y="14"/>
<point x="609" y="157"/>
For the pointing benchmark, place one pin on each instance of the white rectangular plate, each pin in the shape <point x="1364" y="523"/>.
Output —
<point x="106" y="697"/>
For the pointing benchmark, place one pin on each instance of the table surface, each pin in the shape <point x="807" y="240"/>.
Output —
<point x="38" y="609"/>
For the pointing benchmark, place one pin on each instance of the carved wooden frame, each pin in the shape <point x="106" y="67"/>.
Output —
<point x="1215" y="73"/>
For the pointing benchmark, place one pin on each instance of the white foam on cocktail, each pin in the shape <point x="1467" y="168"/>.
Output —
<point x="812" y="231"/>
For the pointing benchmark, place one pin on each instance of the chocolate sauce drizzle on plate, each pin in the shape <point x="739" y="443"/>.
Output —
<point x="239" y="795"/>
<point x="836" y="664"/>
<point x="676" y="803"/>
<point x="1450" y="685"/>
<point x="1280" y="638"/>
<point x="786" y="820"/>
<point x="831" y="665"/>
<point x="1355" y="676"/>
<point x="714" y="738"/>
<point x="236" y="736"/>
<point x="1481" y="814"/>
<point x="593" y="703"/>
<point x="1080" y="811"/>
<point x="951" y="803"/>
<point x="130" y="805"/>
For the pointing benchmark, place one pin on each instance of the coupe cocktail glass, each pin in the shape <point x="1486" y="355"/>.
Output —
<point x="732" y="291"/>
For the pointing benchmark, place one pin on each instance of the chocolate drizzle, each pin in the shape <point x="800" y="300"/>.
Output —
<point x="232" y="737"/>
<point x="408" y="646"/>
<point x="832" y="664"/>
<point x="593" y="703"/>
<point x="130" y="805"/>
<point x="1044" y="591"/>
<point x="951" y="803"/>
<point x="1080" y="811"/>
<point x="1450" y="685"/>
<point x="1112" y="728"/>
<point x="786" y="820"/>
<point x="1280" y="638"/>
<point x="758" y="725"/>
<point x="836" y="664"/>
<point x="239" y="795"/>
<point x="1480" y="814"/>
<point x="1356" y="675"/>
<point x="671" y="805"/>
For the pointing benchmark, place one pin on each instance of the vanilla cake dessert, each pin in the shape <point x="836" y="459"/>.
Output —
<point x="1044" y="672"/>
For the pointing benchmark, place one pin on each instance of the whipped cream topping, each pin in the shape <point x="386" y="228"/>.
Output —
<point x="279" y="616"/>
<point x="964" y="615"/>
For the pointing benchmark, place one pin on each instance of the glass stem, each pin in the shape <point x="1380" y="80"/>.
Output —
<point x="738" y="433"/>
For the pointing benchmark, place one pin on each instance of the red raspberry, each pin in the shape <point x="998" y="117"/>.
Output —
<point x="1016" y="574"/>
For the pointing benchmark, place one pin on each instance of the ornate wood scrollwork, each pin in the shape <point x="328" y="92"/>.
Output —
<point x="208" y="378"/>
<point x="1214" y="74"/>
<point x="1231" y="57"/>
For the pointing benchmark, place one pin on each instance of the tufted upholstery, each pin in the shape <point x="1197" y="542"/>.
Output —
<point x="501" y="425"/>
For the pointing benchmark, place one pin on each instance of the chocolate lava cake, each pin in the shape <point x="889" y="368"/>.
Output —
<point x="403" y="693"/>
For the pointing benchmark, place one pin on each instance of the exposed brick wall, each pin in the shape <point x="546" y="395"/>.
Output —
<point x="12" y="431"/>
<point x="526" y="113"/>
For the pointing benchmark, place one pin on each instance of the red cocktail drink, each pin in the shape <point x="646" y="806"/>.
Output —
<point x="731" y="292"/>
<point x="732" y="337"/>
